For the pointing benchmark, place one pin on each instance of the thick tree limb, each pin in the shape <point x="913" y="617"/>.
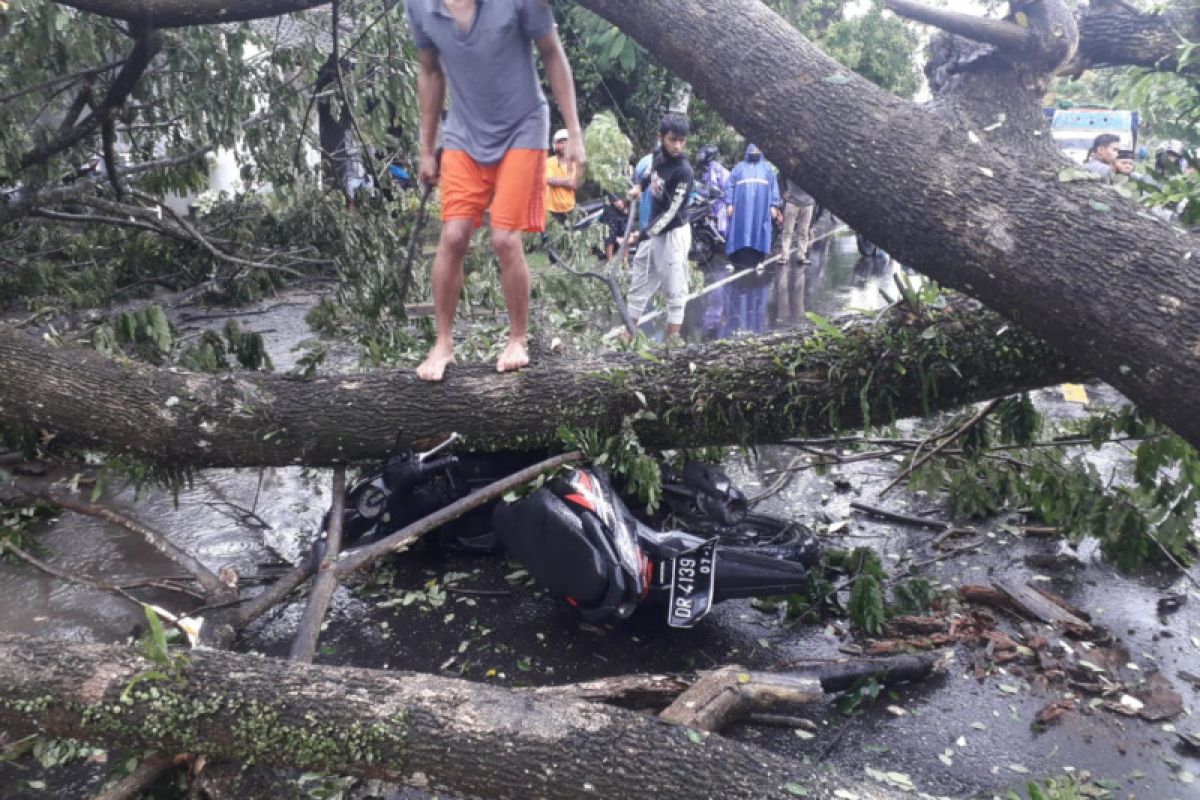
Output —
<point x="149" y="770"/>
<point x="180" y="13"/>
<point x="728" y="694"/>
<point x="147" y="47"/>
<point x="40" y="197"/>
<point x="438" y="733"/>
<point x="1005" y="35"/>
<point x="728" y="392"/>
<point x="1115" y="34"/>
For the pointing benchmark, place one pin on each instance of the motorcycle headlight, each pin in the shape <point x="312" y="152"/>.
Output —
<point x="370" y="502"/>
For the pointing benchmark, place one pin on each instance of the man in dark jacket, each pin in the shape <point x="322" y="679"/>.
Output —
<point x="662" y="260"/>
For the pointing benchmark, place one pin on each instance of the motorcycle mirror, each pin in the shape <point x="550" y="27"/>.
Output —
<point x="454" y="437"/>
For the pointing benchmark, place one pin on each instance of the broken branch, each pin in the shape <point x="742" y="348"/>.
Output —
<point x="304" y="647"/>
<point x="211" y="584"/>
<point x="1003" y="35"/>
<point x="404" y="537"/>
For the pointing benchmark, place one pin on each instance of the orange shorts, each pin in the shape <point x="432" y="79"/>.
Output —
<point x="514" y="189"/>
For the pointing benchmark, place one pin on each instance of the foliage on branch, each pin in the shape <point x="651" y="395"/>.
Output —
<point x="1143" y="518"/>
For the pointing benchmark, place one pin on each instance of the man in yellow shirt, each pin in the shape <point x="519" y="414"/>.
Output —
<point x="562" y="179"/>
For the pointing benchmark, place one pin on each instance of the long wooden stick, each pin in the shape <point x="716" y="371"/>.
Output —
<point x="404" y="537"/>
<point x="213" y="588"/>
<point x="304" y="647"/>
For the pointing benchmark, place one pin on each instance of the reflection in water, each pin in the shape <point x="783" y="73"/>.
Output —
<point x="836" y="279"/>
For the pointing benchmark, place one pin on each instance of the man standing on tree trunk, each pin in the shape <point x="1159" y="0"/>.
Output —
<point x="493" y="157"/>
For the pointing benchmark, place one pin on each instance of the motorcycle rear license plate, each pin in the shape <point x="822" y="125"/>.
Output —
<point x="692" y="585"/>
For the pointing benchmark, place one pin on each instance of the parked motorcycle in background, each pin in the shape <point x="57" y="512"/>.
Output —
<point x="707" y="241"/>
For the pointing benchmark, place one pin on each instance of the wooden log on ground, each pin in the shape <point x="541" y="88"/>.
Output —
<point x="437" y="733"/>
<point x="1028" y="602"/>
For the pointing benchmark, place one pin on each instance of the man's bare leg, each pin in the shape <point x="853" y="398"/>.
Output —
<point x="447" y="286"/>
<point x="514" y="280"/>
<point x="673" y="329"/>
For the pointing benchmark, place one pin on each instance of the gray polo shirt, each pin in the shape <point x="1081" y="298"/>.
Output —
<point x="496" y="101"/>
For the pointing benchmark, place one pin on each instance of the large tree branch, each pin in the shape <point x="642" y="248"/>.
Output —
<point x="1116" y="34"/>
<point x="748" y="391"/>
<point x="26" y="202"/>
<point x="147" y="47"/>
<point x="946" y="202"/>
<point x="180" y="13"/>
<point x="1005" y="35"/>
<point x="437" y="733"/>
<point x="213" y="588"/>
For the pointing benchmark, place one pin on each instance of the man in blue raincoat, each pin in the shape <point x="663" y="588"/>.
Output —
<point x="753" y="200"/>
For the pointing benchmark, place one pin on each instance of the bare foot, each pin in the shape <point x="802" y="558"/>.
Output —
<point x="433" y="368"/>
<point x="514" y="357"/>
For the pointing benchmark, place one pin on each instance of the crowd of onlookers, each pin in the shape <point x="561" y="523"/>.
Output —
<point x="744" y="207"/>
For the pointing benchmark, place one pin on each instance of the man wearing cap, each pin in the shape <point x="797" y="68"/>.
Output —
<point x="562" y="179"/>
<point x="493" y="149"/>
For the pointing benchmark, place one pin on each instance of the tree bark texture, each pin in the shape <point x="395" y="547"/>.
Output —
<point x="1114" y="33"/>
<point x="1079" y="265"/>
<point x="442" y="734"/>
<point x="180" y="13"/>
<point x="729" y="392"/>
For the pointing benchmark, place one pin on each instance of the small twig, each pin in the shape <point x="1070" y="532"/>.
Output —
<point x="936" y="524"/>
<point x="203" y="575"/>
<point x="608" y="279"/>
<point x="958" y="434"/>
<point x="225" y="314"/>
<point x="66" y="576"/>
<point x="832" y="743"/>
<point x="368" y="161"/>
<point x="414" y="235"/>
<point x="479" y="592"/>
<point x="73" y="77"/>
<point x="1171" y="557"/>
<point x="782" y="721"/>
<point x="787" y="474"/>
<point x="957" y="551"/>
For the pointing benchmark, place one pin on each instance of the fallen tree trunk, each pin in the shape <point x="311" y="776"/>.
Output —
<point x="724" y="393"/>
<point x="420" y="730"/>
<point x="1056" y="255"/>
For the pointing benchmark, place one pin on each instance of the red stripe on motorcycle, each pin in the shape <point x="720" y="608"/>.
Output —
<point x="581" y="500"/>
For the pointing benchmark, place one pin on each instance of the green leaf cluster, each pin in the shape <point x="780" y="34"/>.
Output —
<point x="212" y="353"/>
<point x="1144" y="520"/>
<point x="144" y="333"/>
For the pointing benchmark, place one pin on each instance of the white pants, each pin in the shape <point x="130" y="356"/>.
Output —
<point x="661" y="262"/>
<point x="796" y="219"/>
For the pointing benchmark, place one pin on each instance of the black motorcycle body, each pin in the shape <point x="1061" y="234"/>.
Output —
<point x="707" y="241"/>
<point x="579" y="539"/>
